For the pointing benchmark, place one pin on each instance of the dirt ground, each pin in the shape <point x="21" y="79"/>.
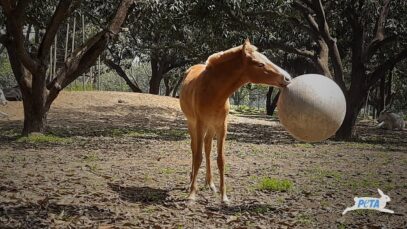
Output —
<point x="122" y="160"/>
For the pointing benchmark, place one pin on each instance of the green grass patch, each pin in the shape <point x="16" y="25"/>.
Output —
<point x="274" y="184"/>
<point x="42" y="138"/>
<point x="117" y="132"/>
<point x="144" y="133"/>
<point x="173" y="133"/>
<point x="140" y="134"/>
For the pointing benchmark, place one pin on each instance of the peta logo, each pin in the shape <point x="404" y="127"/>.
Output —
<point x="378" y="204"/>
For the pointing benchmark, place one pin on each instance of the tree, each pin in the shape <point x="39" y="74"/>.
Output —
<point x="365" y="47"/>
<point x="271" y="103"/>
<point x="117" y="54"/>
<point x="160" y="33"/>
<point x="30" y="64"/>
<point x="357" y="43"/>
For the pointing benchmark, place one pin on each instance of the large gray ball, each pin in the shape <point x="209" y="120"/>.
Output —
<point x="312" y="107"/>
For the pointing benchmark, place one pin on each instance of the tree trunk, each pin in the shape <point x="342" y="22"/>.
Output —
<point x="35" y="108"/>
<point x="35" y="118"/>
<point x="167" y="86"/>
<point x="389" y="94"/>
<point x="354" y="103"/>
<point x="273" y="105"/>
<point x="156" y="77"/>
<point x="174" y="92"/>
<point x="345" y="131"/>
<point x="382" y="96"/>
<point x="268" y="101"/>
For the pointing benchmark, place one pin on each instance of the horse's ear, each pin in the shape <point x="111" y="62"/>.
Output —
<point x="247" y="47"/>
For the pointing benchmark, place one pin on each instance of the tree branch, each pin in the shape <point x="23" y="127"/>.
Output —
<point x="119" y="70"/>
<point x="379" y="37"/>
<point x="86" y="55"/>
<point x="307" y="14"/>
<point x="120" y="17"/>
<point x="331" y="42"/>
<point x="14" y="21"/>
<point x="19" y="11"/>
<point x="386" y="66"/>
<point x="63" y="10"/>
<point x="72" y="62"/>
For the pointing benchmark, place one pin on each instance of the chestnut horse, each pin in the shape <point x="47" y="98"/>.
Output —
<point x="204" y="99"/>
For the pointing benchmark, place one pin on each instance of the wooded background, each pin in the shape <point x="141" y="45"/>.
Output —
<point x="145" y="46"/>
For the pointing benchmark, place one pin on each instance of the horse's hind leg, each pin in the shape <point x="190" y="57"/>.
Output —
<point x="197" y="139"/>
<point x="208" y="147"/>
<point x="191" y="130"/>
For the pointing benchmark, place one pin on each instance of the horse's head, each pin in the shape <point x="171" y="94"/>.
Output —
<point x="259" y="69"/>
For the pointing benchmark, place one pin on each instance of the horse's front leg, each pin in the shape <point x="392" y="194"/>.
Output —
<point x="221" y="137"/>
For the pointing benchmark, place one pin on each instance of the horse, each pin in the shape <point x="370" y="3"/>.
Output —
<point x="204" y="100"/>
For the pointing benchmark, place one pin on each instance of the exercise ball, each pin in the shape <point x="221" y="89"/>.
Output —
<point x="311" y="108"/>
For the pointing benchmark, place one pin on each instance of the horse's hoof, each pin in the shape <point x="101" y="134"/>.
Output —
<point x="191" y="196"/>
<point x="213" y="188"/>
<point x="225" y="201"/>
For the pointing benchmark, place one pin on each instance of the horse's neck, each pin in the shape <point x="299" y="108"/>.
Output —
<point x="226" y="78"/>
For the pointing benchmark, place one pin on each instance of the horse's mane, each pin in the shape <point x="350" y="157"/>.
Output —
<point x="221" y="57"/>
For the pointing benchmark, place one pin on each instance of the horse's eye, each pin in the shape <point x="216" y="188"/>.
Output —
<point x="260" y="65"/>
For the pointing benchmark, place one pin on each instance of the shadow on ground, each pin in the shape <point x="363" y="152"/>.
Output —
<point x="145" y="122"/>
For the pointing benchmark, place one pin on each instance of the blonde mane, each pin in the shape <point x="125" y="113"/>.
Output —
<point x="223" y="56"/>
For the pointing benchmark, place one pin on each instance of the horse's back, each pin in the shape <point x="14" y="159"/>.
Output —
<point x="192" y="74"/>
